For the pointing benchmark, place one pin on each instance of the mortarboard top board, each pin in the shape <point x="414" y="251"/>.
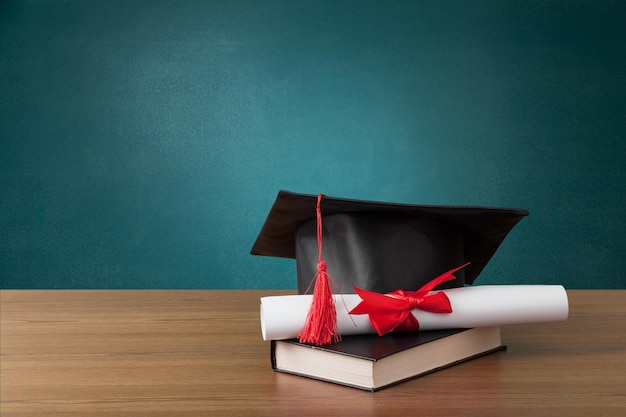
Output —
<point x="382" y="246"/>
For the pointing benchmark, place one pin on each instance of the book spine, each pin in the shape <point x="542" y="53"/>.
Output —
<point x="273" y="354"/>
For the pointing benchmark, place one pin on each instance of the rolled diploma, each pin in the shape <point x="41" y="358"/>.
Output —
<point x="282" y="317"/>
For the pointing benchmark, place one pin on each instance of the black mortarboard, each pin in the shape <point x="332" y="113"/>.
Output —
<point x="381" y="246"/>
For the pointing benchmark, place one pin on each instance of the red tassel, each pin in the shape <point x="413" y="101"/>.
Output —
<point x="320" y="327"/>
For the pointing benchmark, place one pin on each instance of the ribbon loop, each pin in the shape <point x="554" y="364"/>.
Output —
<point x="392" y="312"/>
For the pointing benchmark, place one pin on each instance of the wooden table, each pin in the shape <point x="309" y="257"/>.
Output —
<point x="200" y="353"/>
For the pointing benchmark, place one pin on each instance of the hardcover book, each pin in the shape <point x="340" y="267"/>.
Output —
<point x="371" y="362"/>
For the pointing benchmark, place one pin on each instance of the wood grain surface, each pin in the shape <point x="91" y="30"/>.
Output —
<point x="200" y="353"/>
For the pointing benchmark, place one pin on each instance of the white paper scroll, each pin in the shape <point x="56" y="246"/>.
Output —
<point x="282" y="317"/>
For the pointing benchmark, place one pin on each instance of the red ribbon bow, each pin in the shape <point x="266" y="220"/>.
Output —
<point x="392" y="311"/>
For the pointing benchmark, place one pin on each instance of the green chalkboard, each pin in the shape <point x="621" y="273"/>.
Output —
<point x="142" y="143"/>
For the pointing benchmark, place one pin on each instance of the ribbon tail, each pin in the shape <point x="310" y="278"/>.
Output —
<point x="384" y="323"/>
<point x="410" y="324"/>
<point x="445" y="277"/>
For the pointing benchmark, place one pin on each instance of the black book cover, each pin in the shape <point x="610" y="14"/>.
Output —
<point x="374" y="347"/>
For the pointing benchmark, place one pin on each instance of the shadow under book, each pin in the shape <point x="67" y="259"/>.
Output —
<point x="371" y="362"/>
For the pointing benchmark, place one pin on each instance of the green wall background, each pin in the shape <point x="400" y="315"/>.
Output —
<point x="143" y="142"/>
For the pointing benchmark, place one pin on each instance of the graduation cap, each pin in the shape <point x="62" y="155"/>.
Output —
<point x="380" y="246"/>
